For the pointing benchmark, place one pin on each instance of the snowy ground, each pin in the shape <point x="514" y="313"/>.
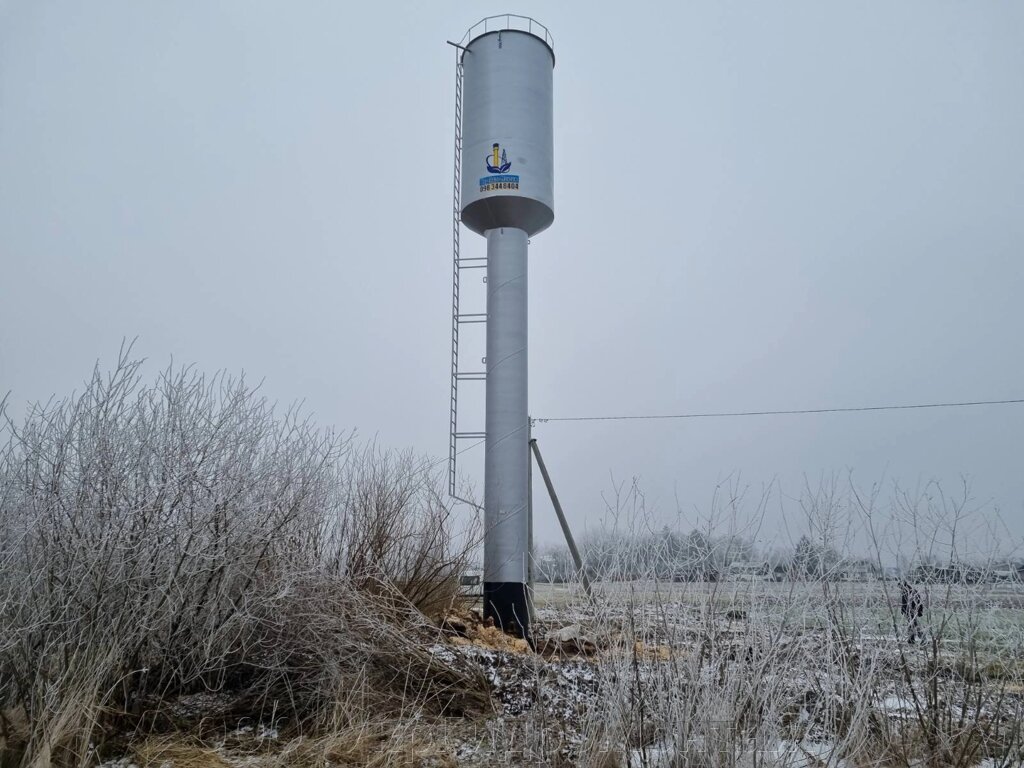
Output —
<point x="651" y="644"/>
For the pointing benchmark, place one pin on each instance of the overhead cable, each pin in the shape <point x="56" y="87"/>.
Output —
<point x="792" y="412"/>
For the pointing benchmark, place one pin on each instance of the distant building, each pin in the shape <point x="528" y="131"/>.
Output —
<point x="747" y="571"/>
<point x="696" y="572"/>
<point x="891" y="573"/>
<point x="960" y="573"/>
<point x="855" y="570"/>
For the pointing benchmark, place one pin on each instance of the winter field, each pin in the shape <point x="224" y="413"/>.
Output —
<point x="190" y="578"/>
<point x="759" y="673"/>
<point x="868" y="609"/>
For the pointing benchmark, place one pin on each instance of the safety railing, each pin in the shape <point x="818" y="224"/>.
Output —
<point x="508" y="22"/>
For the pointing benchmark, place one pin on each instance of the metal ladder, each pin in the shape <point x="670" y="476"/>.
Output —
<point x="458" y="319"/>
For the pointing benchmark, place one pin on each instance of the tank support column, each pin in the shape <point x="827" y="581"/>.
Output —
<point x="507" y="461"/>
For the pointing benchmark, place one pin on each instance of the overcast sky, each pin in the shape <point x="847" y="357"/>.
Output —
<point x="758" y="206"/>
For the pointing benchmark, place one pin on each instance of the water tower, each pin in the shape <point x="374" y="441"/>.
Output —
<point x="504" y="190"/>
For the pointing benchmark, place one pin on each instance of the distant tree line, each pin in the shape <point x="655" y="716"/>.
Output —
<point x="702" y="556"/>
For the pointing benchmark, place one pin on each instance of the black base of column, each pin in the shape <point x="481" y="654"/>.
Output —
<point x="505" y="602"/>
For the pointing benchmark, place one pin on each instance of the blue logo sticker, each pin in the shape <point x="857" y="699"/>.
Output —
<point x="497" y="163"/>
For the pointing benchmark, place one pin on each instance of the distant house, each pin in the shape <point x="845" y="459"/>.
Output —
<point x="891" y="573"/>
<point x="959" y="573"/>
<point x="855" y="570"/>
<point x="747" y="571"/>
<point x="698" y="572"/>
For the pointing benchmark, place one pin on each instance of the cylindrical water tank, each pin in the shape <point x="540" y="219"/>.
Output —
<point x="507" y="146"/>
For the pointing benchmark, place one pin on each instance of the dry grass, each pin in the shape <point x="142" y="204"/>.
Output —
<point x="380" y="747"/>
<point x="160" y="544"/>
<point x="177" y="751"/>
<point x="369" y="745"/>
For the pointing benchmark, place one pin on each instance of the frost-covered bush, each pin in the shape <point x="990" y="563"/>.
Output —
<point x="182" y="537"/>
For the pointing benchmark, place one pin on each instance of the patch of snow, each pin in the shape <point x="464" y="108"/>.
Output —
<point x="895" y="705"/>
<point x="269" y="733"/>
<point x="443" y="652"/>
<point x="657" y="754"/>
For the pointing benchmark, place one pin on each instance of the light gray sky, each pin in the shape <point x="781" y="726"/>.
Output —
<point x="758" y="206"/>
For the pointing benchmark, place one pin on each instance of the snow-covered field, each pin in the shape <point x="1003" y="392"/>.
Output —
<point x="763" y="673"/>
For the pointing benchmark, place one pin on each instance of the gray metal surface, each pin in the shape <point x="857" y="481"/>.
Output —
<point x="507" y="132"/>
<point x="507" y="459"/>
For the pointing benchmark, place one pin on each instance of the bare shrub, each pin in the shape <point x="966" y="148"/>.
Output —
<point x="166" y="541"/>
<point x="400" y="530"/>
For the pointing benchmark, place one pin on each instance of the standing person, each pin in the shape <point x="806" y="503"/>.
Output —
<point x="912" y="608"/>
